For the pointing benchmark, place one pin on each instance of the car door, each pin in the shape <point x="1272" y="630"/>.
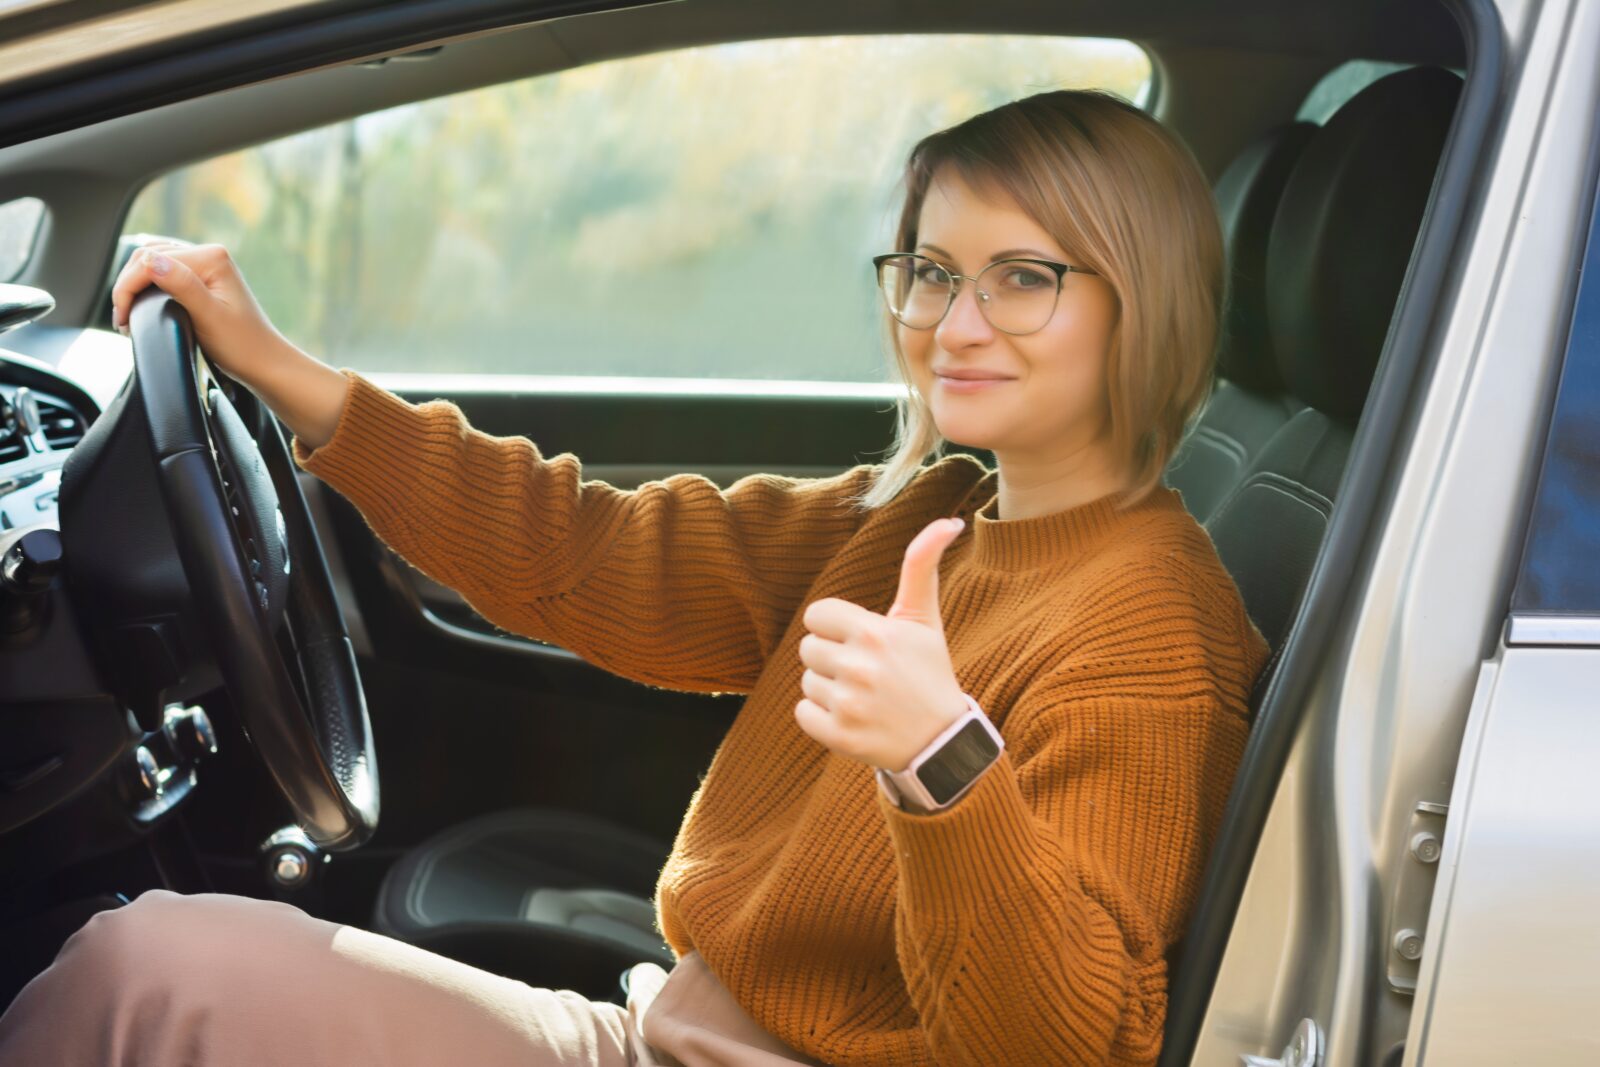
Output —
<point x="1519" y="865"/>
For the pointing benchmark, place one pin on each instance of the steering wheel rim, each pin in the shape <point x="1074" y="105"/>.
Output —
<point x="258" y="579"/>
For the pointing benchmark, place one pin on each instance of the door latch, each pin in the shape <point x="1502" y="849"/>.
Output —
<point x="1303" y="1050"/>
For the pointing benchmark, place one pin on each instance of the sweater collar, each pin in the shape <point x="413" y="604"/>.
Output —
<point x="1022" y="544"/>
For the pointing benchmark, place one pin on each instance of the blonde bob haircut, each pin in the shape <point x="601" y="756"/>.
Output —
<point x="1123" y="196"/>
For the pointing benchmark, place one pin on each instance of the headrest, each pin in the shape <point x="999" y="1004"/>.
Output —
<point x="1247" y="199"/>
<point x="1344" y="232"/>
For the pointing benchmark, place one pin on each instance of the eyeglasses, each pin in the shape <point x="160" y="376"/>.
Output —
<point x="1016" y="296"/>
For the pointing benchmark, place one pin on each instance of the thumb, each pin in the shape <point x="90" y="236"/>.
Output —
<point x="918" y="598"/>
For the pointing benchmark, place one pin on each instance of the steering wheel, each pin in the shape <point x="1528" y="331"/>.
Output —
<point x="257" y="578"/>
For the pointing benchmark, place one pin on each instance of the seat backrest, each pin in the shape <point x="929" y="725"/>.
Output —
<point x="1338" y="250"/>
<point x="1248" y="404"/>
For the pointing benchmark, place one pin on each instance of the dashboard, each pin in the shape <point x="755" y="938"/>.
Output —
<point x="73" y="752"/>
<point x="37" y="429"/>
<point x="53" y="384"/>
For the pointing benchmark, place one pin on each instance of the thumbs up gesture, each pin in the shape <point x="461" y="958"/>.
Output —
<point x="880" y="688"/>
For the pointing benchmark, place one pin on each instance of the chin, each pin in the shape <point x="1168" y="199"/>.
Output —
<point x="967" y="436"/>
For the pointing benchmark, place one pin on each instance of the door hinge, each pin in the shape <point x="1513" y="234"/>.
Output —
<point x="1413" y="895"/>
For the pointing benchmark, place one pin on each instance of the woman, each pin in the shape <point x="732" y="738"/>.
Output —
<point x="1004" y="898"/>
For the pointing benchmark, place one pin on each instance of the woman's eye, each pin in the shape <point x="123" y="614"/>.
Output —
<point x="930" y="275"/>
<point x="1024" y="278"/>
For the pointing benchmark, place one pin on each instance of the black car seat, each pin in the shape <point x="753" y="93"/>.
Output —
<point x="553" y="898"/>
<point x="1337" y="249"/>
<point x="1340" y="243"/>
<point x="1248" y="404"/>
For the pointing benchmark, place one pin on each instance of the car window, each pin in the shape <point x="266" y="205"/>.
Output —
<point x="707" y="212"/>
<point x="20" y="220"/>
<point x="1556" y="598"/>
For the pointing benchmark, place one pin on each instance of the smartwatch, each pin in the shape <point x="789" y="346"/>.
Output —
<point x="938" y="775"/>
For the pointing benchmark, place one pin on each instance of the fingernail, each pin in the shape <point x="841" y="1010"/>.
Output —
<point x="958" y="522"/>
<point x="159" y="264"/>
<point x="123" y="329"/>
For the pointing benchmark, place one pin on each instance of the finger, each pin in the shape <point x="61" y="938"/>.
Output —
<point x="824" y="691"/>
<point x="132" y="280"/>
<point x="822" y="655"/>
<point x="168" y="273"/>
<point x="815" y="720"/>
<point x="136" y="275"/>
<point x="837" y="620"/>
<point x="918" y="596"/>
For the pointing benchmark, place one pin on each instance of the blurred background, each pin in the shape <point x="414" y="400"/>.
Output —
<point x="709" y="212"/>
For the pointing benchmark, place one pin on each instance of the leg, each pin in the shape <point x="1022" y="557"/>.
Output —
<point x="175" y="980"/>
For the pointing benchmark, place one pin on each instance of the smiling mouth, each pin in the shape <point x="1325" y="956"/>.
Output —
<point x="947" y="380"/>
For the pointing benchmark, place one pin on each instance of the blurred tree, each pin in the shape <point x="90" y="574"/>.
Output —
<point x="702" y="212"/>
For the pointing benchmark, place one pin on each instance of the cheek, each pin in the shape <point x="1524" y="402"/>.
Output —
<point x="1069" y="359"/>
<point x="917" y="345"/>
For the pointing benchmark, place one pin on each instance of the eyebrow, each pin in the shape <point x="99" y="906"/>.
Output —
<point x="1007" y="253"/>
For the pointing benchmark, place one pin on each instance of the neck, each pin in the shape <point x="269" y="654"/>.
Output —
<point x="1030" y="487"/>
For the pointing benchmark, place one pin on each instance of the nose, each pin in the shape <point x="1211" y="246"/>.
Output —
<point x="964" y="323"/>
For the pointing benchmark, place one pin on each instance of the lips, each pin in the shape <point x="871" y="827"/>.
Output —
<point x="960" y="383"/>
<point x="971" y="376"/>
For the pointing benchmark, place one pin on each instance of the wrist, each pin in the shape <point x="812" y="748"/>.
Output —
<point x="306" y="393"/>
<point x="948" y="767"/>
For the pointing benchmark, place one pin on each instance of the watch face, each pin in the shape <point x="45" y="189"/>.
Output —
<point x="959" y="761"/>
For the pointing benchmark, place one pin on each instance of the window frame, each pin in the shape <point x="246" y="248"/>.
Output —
<point x="1555" y="598"/>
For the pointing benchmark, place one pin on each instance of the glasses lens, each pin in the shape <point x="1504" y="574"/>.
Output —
<point x="917" y="290"/>
<point x="1022" y="296"/>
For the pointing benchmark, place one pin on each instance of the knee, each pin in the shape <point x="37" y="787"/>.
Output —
<point x="120" y="945"/>
<point x="160" y="939"/>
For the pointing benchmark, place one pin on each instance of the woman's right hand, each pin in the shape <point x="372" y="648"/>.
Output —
<point x="235" y="334"/>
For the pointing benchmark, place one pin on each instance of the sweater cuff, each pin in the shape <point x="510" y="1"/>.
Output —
<point x="372" y="451"/>
<point x="331" y="454"/>
<point x="957" y="856"/>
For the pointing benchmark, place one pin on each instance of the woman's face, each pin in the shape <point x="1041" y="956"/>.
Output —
<point x="1044" y="396"/>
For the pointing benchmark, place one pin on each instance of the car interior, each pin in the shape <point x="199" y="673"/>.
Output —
<point x="529" y="798"/>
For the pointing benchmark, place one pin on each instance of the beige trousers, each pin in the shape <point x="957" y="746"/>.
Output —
<point x="172" y="981"/>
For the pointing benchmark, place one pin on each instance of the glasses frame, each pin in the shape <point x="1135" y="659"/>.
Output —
<point x="1061" y="270"/>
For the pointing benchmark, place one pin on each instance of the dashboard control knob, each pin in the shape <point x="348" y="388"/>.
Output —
<point x="31" y="563"/>
<point x="190" y="733"/>
<point x="291" y="859"/>
<point x="141" y="777"/>
<point x="290" y="868"/>
<point x="30" y="559"/>
<point x="26" y="406"/>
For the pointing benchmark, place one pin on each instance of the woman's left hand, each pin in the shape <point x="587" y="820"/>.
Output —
<point x="880" y="688"/>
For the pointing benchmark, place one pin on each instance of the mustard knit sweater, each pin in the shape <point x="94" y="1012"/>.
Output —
<point x="1024" y="925"/>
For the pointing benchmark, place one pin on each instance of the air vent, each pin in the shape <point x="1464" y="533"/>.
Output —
<point x="63" y="427"/>
<point x="12" y="445"/>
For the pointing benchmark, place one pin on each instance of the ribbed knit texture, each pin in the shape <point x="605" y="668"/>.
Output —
<point x="1024" y="925"/>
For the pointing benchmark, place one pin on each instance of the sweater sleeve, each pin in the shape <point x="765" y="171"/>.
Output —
<point x="677" y="583"/>
<point x="1034" y="914"/>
